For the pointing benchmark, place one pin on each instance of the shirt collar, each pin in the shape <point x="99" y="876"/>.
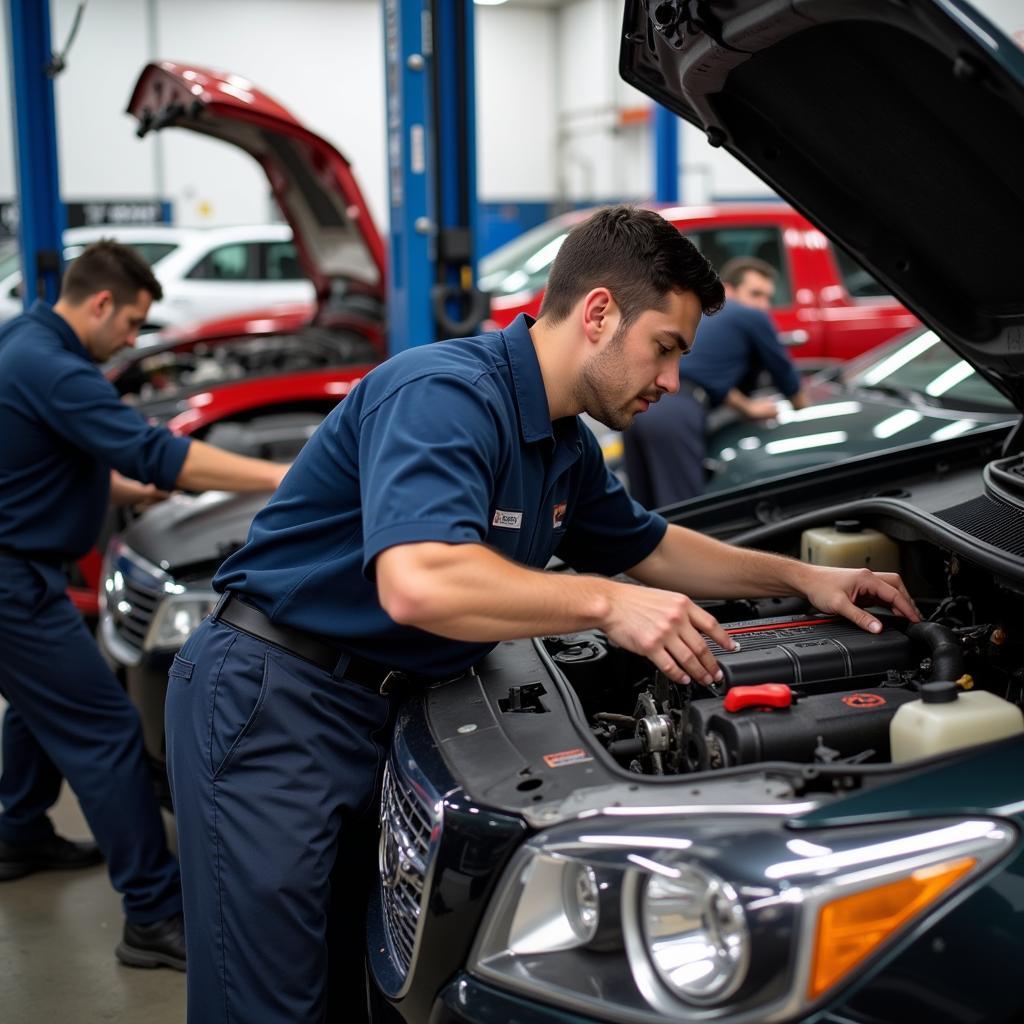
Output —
<point x="531" y="398"/>
<point x="43" y="313"/>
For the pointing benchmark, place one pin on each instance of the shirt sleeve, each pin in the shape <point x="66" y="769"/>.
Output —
<point x="773" y="355"/>
<point x="427" y="454"/>
<point x="84" y="407"/>
<point x="607" y="532"/>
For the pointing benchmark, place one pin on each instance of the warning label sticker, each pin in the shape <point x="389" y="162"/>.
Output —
<point x="564" y="757"/>
<point x="864" y="700"/>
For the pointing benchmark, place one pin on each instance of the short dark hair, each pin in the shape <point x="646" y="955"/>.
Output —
<point x="638" y="256"/>
<point x="107" y="264"/>
<point x="733" y="272"/>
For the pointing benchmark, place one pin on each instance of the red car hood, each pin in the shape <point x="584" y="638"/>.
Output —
<point x="312" y="182"/>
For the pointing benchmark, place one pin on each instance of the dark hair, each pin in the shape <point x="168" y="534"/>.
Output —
<point x="107" y="264"/>
<point x="638" y="256"/>
<point x="733" y="272"/>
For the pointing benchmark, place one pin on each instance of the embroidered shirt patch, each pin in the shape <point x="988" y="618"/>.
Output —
<point x="507" y="520"/>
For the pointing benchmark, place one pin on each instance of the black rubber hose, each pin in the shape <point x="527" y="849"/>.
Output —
<point x="626" y="748"/>
<point x="946" y="654"/>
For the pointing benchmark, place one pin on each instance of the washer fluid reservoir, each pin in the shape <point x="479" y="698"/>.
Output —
<point x="849" y="545"/>
<point x="946" y="719"/>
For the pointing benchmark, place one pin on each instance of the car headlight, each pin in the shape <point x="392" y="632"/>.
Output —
<point x="727" y="920"/>
<point x="696" y="933"/>
<point x="176" y="616"/>
<point x="564" y="911"/>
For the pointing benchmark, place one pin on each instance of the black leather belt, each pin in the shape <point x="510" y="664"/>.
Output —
<point x="370" y="674"/>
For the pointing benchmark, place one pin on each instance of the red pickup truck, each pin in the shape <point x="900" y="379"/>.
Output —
<point x="827" y="309"/>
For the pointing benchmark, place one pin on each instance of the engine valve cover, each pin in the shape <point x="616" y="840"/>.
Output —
<point x="805" y="650"/>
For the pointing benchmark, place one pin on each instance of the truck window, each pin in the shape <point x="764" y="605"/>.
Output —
<point x="723" y="244"/>
<point x="857" y="281"/>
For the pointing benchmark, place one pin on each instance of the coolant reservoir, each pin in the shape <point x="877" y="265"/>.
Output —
<point x="849" y="545"/>
<point x="946" y="719"/>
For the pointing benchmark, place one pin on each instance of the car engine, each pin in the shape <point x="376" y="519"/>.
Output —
<point x="804" y="688"/>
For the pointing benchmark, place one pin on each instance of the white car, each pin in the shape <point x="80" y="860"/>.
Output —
<point x="205" y="272"/>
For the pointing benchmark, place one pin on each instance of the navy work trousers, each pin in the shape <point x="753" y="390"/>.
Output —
<point x="69" y="717"/>
<point x="664" y="450"/>
<point x="275" y="768"/>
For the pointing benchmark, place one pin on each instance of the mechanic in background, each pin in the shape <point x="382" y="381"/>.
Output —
<point x="71" y="446"/>
<point x="664" y="451"/>
<point x="409" y="538"/>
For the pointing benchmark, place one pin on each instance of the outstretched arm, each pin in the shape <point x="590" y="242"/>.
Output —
<point x="706" y="568"/>
<point x="468" y="592"/>
<point x="209" y="468"/>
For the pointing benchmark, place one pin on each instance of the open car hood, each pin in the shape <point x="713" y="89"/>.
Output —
<point x="897" y="128"/>
<point x="312" y="182"/>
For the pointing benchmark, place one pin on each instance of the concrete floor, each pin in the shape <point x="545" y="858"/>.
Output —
<point x="58" y="930"/>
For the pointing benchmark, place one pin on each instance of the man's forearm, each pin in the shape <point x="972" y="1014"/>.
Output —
<point x="689" y="562"/>
<point x="469" y="592"/>
<point x="209" y="468"/>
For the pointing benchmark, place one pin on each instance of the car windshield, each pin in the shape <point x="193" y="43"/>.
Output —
<point x="924" y="365"/>
<point x="523" y="264"/>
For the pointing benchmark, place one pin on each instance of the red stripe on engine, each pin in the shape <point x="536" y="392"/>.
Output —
<point x="780" y="625"/>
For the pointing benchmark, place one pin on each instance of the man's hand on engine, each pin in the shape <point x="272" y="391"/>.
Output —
<point x="841" y="591"/>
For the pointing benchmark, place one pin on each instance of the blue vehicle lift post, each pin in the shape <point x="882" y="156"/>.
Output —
<point x="431" y="171"/>
<point x="41" y="213"/>
<point x="666" y="155"/>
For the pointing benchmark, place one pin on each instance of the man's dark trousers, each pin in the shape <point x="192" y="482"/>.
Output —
<point x="69" y="717"/>
<point x="275" y="767"/>
<point x="664" y="451"/>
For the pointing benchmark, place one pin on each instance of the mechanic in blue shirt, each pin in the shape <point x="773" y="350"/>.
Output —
<point x="664" y="451"/>
<point x="65" y="429"/>
<point x="410" y="537"/>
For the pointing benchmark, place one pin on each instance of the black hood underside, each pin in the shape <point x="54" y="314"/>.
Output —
<point x="896" y="127"/>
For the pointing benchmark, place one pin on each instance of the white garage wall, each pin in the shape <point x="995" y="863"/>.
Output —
<point x="516" y="78"/>
<point x="603" y="159"/>
<point x="548" y="94"/>
<point x="323" y="59"/>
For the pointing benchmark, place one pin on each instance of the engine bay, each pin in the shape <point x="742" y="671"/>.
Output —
<point x="803" y="687"/>
<point x="169" y="371"/>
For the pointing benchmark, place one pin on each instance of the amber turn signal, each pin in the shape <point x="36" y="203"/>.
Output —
<point x="852" y="927"/>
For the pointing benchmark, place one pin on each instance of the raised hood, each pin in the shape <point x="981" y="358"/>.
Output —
<point x="897" y="128"/>
<point x="312" y="182"/>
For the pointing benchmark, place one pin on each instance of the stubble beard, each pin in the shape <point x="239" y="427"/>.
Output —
<point x="602" y="377"/>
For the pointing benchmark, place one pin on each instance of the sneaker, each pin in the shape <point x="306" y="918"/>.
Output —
<point x="159" y="944"/>
<point x="51" y="854"/>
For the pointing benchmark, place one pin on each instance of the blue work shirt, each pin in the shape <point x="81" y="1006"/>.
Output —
<point x="64" y="426"/>
<point x="450" y="442"/>
<point x="733" y="344"/>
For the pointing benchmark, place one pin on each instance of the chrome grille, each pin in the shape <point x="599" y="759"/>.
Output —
<point x="130" y="591"/>
<point x="407" y="834"/>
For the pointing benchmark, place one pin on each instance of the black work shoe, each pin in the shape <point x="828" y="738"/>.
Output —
<point x="52" y="854"/>
<point x="160" y="944"/>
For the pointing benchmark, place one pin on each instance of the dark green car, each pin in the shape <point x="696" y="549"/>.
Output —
<point x="912" y="391"/>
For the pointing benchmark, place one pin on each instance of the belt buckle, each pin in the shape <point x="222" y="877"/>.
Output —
<point x="394" y="678"/>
